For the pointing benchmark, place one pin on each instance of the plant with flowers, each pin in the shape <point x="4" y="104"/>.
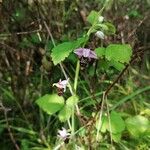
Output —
<point x="114" y="55"/>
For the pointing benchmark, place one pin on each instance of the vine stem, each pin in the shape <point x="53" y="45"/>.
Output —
<point x="8" y="126"/>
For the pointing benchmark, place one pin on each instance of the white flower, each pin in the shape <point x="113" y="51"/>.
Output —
<point x="101" y="19"/>
<point x="63" y="134"/>
<point x="100" y="34"/>
<point x="62" y="84"/>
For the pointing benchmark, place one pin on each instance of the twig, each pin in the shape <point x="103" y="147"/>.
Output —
<point x="132" y="33"/>
<point x="21" y="33"/>
<point x="8" y="127"/>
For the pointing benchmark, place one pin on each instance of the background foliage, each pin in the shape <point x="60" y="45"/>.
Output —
<point x="29" y="67"/>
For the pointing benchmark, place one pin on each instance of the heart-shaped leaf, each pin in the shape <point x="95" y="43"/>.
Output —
<point x="119" y="52"/>
<point x="50" y="103"/>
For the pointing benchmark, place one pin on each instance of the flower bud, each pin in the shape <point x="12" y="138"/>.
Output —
<point x="100" y="34"/>
<point x="101" y="19"/>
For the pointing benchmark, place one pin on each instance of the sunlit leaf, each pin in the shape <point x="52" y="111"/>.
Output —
<point x="137" y="126"/>
<point x="65" y="113"/>
<point x="50" y="103"/>
<point x="72" y="101"/>
<point x="119" y="66"/>
<point x="104" y="125"/>
<point x="110" y="28"/>
<point x="93" y="17"/>
<point x="100" y="51"/>
<point x="116" y="137"/>
<point x="117" y="123"/>
<point x="119" y="52"/>
<point x="101" y="26"/>
<point x="61" y="51"/>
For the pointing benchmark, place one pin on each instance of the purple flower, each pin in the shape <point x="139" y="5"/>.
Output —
<point x="86" y="53"/>
<point x="63" y="134"/>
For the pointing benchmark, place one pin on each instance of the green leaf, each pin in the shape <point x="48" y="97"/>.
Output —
<point x="100" y="51"/>
<point x="50" y="103"/>
<point x="110" y="28"/>
<point x="116" y="137"/>
<point x="117" y="52"/>
<point x="104" y="64"/>
<point x="119" y="66"/>
<point x="137" y="125"/>
<point x="81" y="40"/>
<point x="101" y="26"/>
<point x="24" y="144"/>
<point x="72" y="101"/>
<point x="65" y="113"/>
<point x="93" y="17"/>
<point x="117" y="123"/>
<point x="104" y="124"/>
<point x="61" y="51"/>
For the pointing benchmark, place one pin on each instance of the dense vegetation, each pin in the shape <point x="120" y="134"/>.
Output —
<point x="74" y="75"/>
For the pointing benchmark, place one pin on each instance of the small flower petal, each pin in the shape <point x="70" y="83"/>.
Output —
<point x="79" y="52"/>
<point x="93" y="55"/>
<point x="62" y="84"/>
<point x="63" y="134"/>
<point x="87" y="53"/>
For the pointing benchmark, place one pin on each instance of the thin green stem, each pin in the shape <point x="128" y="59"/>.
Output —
<point x="109" y="122"/>
<point x="75" y="88"/>
<point x="73" y="122"/>
<point x="76" y="76"/>
<point x="100" y="117"/>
